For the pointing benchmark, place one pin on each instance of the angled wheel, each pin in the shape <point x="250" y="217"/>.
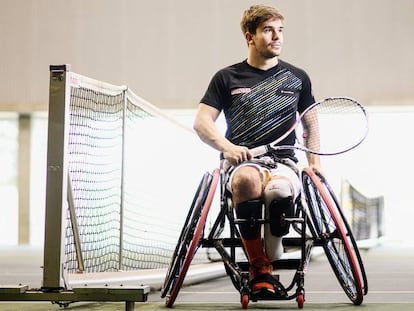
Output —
<point x="333" y="231"/>
<point x="349" y="234"/>
<point x="190" y="236"/>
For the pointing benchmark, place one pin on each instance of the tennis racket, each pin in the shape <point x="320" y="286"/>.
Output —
<point x="340" y="124"/>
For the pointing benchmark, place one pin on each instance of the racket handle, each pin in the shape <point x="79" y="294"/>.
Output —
<point x="226" y="165"/>
<point x="258" y="151"/>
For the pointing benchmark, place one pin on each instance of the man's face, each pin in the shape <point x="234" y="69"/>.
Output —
<point x="268" y="39"/>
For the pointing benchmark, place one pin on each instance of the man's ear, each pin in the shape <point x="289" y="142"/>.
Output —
<point x="249" y="37"/>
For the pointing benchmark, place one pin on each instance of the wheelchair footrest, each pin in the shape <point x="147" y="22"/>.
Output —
<point x="266" y="295"/>
<point x="280" y="292"/>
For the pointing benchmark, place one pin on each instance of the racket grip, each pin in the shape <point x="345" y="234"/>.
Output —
<point x="226" y="165"/>
<point x="258" y="151"/>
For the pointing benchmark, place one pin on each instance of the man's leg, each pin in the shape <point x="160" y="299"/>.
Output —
<point x="279" y="196"/>
<point x="247" y="189"/>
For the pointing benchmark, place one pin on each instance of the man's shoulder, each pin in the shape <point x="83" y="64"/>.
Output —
<point x="235" y="67"/>
<point x="294" y="69"/>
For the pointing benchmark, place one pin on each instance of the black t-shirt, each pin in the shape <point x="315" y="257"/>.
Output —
<point x="260" y="105"/>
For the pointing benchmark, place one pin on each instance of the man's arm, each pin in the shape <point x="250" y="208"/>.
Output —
<point x="311" y="138"/>
<point x="205" y="127"/>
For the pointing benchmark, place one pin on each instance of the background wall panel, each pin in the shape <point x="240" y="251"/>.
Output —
<point x="167" y="50"/>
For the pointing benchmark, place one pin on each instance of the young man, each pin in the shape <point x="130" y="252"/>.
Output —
<point x="260" y="98"/>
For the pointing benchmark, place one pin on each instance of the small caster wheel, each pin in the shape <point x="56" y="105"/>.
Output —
<point x="301" y="300"/>
<point x="245" y="301"/>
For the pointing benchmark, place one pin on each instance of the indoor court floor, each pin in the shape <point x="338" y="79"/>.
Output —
<point x="389" y="268"/>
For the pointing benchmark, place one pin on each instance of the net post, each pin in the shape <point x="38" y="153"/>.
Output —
<point x="122" y="200"/>
<point x="56" y="178"/>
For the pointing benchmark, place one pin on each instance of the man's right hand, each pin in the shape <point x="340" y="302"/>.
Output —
<point x="237" y="154"/>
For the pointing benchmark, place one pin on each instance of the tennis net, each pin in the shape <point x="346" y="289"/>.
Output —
<point x="133" y="170"/>
<point x="365" y="214"/>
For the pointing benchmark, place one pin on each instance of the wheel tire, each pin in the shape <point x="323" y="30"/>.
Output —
<point x="334" y="235"/>
<point x="190" y="237"/>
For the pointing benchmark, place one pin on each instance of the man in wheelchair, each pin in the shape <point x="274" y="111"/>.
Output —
<point x="260" y="98"/>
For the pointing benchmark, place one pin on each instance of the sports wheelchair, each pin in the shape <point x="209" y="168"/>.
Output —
<point x="317" y="221"/>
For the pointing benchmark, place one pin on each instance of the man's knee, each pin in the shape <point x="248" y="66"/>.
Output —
<point x="246" y="184"/>
<point x="278" y="188"/>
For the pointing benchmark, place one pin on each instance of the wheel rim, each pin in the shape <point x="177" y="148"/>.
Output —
<point x="331" y="231"/>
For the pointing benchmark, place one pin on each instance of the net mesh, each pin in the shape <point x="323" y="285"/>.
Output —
<point x="125" y="160"/>
<point x="365" y="214"/>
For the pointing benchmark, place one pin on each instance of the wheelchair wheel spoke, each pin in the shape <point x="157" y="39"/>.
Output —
<point x="191" y="234"/>
<point x="335" y="236"/>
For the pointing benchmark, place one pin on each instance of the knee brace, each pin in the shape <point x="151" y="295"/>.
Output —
<point x="251" y="211"/>
<point x="278" y="211"/>
<point x="278" y="196"/>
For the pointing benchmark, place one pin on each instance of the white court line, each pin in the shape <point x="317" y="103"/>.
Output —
<point x="369" y="292"/>
<point x="307" y="292"/>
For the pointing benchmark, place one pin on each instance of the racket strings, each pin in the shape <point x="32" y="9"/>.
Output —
<point x="342" y="124"/>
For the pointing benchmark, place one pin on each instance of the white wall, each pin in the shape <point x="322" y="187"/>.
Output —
<point x="167" y="50"/>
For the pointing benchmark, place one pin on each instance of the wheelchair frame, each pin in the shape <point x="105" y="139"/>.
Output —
<point x="318" y="221"/>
